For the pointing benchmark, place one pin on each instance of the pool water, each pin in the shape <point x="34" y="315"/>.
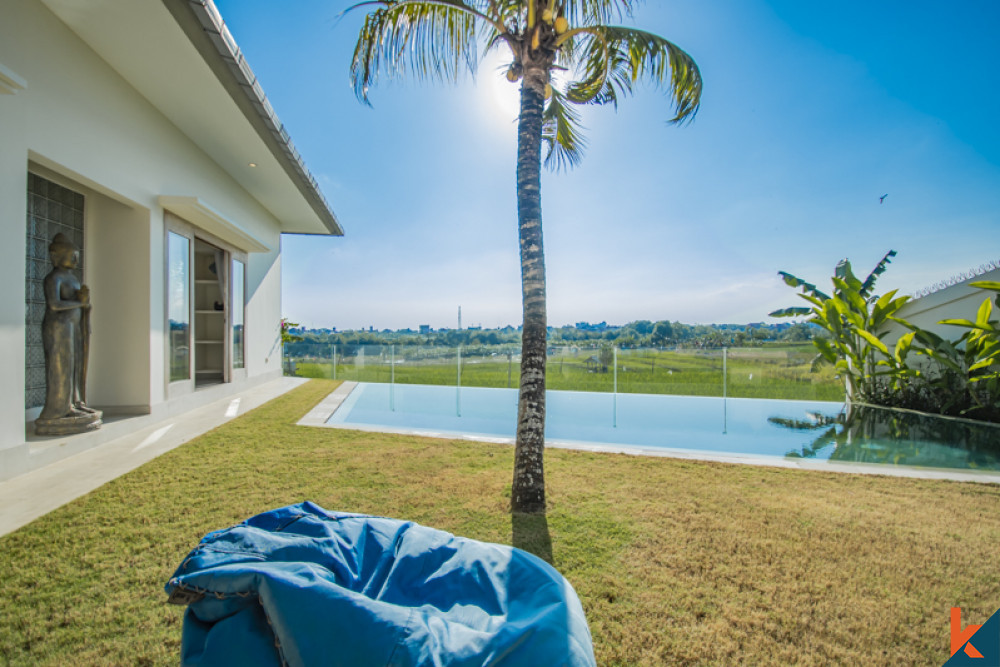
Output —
<point x="741" y="426"/>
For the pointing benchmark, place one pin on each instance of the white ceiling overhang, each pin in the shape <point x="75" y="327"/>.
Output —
<point x="201" y="214"/>
<point x="180" y="57"/>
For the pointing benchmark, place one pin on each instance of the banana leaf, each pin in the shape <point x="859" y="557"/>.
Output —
<point x="850" y="295"/>
<point x="874" y="342"/>
<point x="903" y="346"/>
<point x="793" y="281"/>
<point x="880" y="268"/>
<point x="791" y="312"/>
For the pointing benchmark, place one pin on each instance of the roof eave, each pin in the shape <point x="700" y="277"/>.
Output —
<point x="203" y="25"/>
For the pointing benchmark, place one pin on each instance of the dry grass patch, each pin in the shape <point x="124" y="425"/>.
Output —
<point x="676" y="562"/>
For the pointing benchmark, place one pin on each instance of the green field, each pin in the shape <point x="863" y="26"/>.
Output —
<point x="769" y="372"/>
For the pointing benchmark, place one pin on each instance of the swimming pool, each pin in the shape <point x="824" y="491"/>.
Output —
<point x="741" y="427"/>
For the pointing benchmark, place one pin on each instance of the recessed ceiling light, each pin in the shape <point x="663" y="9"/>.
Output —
<point x="251" y="164"/>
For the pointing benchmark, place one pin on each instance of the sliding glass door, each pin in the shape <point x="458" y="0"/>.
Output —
<point x="205" y="309"/>
<point x="178" y="307"/>
<point x="237" y="315"/>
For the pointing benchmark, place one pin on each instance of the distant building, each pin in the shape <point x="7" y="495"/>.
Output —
<point x="425" y="328"/>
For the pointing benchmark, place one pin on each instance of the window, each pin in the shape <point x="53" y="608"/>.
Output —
<point x="237" y="314"/>
<point x="179" y="305"/>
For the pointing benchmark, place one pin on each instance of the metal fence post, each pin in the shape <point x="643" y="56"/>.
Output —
<point x="725" y="355"/>
<point x="614" y="417"/>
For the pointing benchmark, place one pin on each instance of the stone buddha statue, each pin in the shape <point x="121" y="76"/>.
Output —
<point x="66" y="341"/>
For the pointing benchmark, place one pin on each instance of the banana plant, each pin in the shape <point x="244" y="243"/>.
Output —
<point x="855" y="319"/>
<point x="974" y="359"/>
<point x="981" y="338"/>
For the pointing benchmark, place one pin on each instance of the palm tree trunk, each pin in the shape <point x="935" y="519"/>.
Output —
<point x="528" y="489"/>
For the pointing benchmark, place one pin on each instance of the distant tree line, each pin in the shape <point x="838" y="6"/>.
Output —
<point x="641" y="333"/>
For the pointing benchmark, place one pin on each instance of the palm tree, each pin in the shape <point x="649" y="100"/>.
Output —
<point x="597" y="63"/>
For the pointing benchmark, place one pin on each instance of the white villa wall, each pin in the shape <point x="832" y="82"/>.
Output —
<point x="78" y="122"/>
<point x="13" y="185"/>
<point x="958" y="301"/>
<point x="263" y="291"/>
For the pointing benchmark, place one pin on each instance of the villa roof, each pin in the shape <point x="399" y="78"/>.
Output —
<point x="179" y="55"/>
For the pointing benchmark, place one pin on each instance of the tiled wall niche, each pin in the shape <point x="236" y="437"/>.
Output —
<point x="51" y="209"/>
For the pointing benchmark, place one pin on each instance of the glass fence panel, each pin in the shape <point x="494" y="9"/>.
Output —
<point x="756" y="372"/>
<point x="577" y="368"/>
<point x="686" y="372"/>
<point x="763" y="372"/>
<point x="426" y="365"/>
<point x="492" y="366"/>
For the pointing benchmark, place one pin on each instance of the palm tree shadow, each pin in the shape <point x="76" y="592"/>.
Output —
<point x="530" y="532"/>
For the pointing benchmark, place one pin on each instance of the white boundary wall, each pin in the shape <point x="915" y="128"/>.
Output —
<point x="958" y="301"/>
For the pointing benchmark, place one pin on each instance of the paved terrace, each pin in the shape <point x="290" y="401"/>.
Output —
<point x="36" y="493"/>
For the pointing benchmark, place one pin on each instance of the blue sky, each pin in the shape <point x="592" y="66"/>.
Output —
<point x="811" y="111"/>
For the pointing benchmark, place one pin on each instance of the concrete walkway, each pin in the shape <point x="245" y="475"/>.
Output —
<point x="33" y="494"/>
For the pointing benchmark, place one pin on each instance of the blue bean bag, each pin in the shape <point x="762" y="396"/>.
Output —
<point x="303" y="586"/>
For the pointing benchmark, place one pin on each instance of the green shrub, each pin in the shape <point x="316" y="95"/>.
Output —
<point x="963" y="378"/>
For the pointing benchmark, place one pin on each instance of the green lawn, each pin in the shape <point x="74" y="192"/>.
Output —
<point x="772" y="372"/>
<point x="676" y="562"/>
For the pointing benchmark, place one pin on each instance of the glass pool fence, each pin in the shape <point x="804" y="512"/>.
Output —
<point x="780" y="372"/>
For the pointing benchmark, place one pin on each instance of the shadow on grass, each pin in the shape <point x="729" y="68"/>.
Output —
<point x="530" y="532"/>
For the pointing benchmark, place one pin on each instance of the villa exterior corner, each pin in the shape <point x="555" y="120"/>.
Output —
<point x="137" y="129"/>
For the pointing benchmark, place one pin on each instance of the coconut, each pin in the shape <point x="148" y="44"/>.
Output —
<point x="562" y="25"/>
<point x="548" y="90"/>
<point x="547" y="16"/>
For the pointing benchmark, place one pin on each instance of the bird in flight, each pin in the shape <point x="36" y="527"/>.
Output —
<point x="882" y="198"/>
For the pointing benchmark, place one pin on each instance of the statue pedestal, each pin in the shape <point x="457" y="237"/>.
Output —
<point x="89" y="421"/>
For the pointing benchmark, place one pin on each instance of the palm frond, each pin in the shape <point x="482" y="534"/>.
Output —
<point x="430" y="39"/>
<point x="595" y="12"/>
<point x="562" y="133"/>
<point x="514" y="13"/>
<point x="614" y="58"/>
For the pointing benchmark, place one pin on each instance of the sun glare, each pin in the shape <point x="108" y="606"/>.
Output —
<point x="502" y="96"/>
